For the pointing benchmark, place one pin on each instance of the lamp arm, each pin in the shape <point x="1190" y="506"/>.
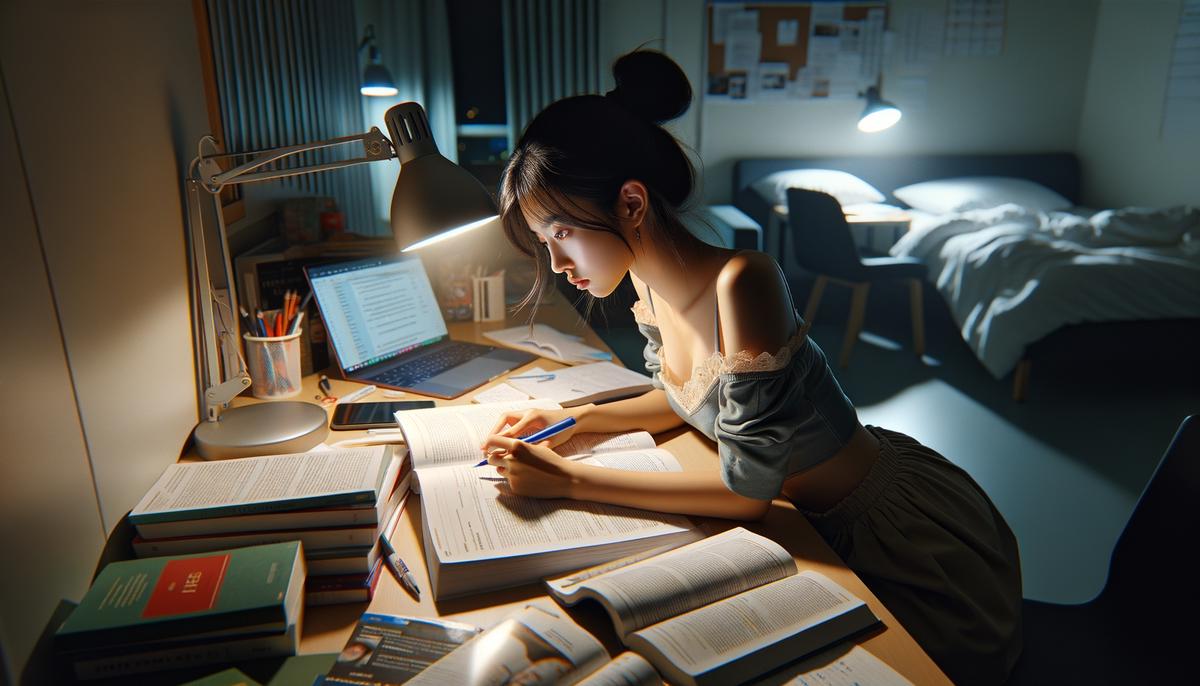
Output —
<point x="376" y="147"/>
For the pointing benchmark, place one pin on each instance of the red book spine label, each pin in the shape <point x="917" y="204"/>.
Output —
<point x="188" y="585"/>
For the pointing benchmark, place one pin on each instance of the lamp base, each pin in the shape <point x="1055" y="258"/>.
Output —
<point x="269" y="428"/>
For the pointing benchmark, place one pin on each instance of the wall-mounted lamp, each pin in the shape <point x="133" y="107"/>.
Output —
<point x="433" y="197"/>
<point x="376" y="79"/>
<point x="879" y="114"/>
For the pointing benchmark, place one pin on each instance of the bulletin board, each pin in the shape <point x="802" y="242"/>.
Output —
<point x="783" y="50"/>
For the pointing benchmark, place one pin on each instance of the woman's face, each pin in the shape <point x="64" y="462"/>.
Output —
<point x="593" y="260"/>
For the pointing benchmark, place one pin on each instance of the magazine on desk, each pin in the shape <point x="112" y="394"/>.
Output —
<point x="679" y="609"/>
<point x="538" y="646"/>
<point x="480" y="537"/>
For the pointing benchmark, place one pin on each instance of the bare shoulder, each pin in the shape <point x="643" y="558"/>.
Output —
<point x="754" y="304"/>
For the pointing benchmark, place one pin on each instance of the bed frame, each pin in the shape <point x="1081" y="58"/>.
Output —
<point x="1058" y="171"/>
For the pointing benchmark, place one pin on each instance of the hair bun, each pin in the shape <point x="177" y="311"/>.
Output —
<point x="651" y="85"/>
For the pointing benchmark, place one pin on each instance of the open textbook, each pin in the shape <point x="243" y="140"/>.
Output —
<point x="718" y="611"/>
<point x="537" y="646"/>
<point x="478" y="536"/>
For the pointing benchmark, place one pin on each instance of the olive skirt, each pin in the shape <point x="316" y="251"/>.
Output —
<point x="928" y="542"/>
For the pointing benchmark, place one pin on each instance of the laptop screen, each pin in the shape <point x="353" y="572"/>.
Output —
<point x="376" y="309"/>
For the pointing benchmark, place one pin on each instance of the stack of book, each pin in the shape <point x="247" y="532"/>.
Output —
<point x="186" y="611"/>
<point x="337" y="503"/>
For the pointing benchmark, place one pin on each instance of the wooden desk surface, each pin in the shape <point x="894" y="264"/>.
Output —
<point x="327" y="628"/>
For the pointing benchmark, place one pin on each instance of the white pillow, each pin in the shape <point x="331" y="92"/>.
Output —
<point x="847" y="188"/>
<point x="979" y="192"/>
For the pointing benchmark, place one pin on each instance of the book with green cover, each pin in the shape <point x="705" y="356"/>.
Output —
<point x="223" y="594"/>
<point x="273" y="483"/>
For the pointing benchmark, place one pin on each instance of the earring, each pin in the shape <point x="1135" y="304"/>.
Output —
<point x="637" y="234"/>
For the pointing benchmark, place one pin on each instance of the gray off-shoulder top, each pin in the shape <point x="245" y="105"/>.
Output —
<point x="771" y="416"/>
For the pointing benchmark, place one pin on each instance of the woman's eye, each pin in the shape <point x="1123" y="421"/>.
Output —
<point x="560" y="234"/>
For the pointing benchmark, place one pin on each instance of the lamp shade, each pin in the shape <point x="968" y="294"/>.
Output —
<point x="376" y="79"/>
<point x="879" y="114"/>
<point x="434" y="198"/>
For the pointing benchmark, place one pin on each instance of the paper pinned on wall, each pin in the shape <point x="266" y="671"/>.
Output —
<point x="1181" y="108"/>
<point x="974" y="28"/>
<point x="742" y="50"/>
<point x="920" y="34"/>
<point x="787" y="31"/>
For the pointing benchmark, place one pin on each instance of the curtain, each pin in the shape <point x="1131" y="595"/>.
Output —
<point x="287" y="73"/>
<point x="551" y="51"/>
<point x="413" y="37"/>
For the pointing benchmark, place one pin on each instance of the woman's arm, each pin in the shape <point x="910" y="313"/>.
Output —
<point x="649" y="412"/>
<point x="537" y="471"/>
<point x="694" y="492"/>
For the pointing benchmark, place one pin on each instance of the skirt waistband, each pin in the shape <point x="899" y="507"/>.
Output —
<point x="873" y="486"/>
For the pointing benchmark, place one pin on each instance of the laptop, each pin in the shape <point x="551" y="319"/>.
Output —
<point x="387" y="329"/>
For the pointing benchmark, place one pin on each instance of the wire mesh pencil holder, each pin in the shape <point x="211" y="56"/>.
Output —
<point x="274" y="365"/>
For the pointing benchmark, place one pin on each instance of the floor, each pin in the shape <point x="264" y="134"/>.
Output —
<point x="1065" y="467"/>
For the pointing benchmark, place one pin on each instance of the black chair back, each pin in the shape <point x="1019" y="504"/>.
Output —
<point x="1161" y="534"/>
<point x="820" y="234"/>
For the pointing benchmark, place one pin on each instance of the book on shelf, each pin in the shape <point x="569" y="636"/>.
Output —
<point x="678" y="609"/>
<point x="273" y="483"/>
<point x="185" y="611"/>
<point x="478" y="536"/>
<point x="539" y="645"/>
<point x="597" y="382"/>
<point x="547" y="341"/>
<point x="385" y="650"/>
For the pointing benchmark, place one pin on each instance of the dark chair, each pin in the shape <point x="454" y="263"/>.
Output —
<point x="1141" y="628"/>
<point x="824" y="246"/>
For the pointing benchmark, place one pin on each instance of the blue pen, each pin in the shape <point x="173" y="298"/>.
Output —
<point x="403" y="575"/>
<point x="548" y="432"/>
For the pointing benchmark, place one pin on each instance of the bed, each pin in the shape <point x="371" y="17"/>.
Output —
<point x="1021" y="281"/>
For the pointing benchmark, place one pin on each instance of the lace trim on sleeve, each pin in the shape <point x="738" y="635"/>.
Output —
<point x="691" y="394"/>
<point x="643" y="315"/>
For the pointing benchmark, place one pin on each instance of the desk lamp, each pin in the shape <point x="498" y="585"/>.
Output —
<point x="434" y="198"/>
<point x="879" y="114"/>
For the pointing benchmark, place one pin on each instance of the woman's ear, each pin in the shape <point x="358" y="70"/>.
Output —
<point x="633" y="200"/>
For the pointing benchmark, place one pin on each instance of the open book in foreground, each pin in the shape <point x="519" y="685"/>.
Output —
<point x="537" y="646"/>
<point x="478" y="536"/>
<point x="718" y="611"/>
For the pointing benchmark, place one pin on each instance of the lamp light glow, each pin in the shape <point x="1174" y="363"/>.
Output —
<point x="879" y="114"/>
<point x="452" y="233"/>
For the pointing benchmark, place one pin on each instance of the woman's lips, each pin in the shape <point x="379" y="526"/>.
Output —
<point x="581" y="283"/>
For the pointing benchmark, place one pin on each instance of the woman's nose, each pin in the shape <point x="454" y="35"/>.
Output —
<point x="558" y="262"/>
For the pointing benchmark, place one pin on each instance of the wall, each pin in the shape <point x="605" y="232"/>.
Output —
<point x="1125" y="159"/>
<point x="106" y="110"/>
<point x="1028" y="99"/>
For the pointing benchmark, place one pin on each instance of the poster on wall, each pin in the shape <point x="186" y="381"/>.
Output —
<point x="793" y="50"/>
<point x="974" y="28"/>
<point x="1181" y="110"/>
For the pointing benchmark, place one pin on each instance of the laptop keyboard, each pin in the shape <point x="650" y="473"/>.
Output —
<point x="415" y="371"/>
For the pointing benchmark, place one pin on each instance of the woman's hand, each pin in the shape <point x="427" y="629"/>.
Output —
<point x="531" y="470"/>
<point x="526" y="422"/>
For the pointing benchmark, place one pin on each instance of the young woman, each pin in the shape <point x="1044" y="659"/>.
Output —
<point x="594" y="191"/>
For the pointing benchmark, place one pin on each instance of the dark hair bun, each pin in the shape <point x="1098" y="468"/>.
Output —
<point x="651" y="85"/>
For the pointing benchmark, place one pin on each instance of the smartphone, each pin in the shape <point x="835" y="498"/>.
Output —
<point x="355" y="416"/>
